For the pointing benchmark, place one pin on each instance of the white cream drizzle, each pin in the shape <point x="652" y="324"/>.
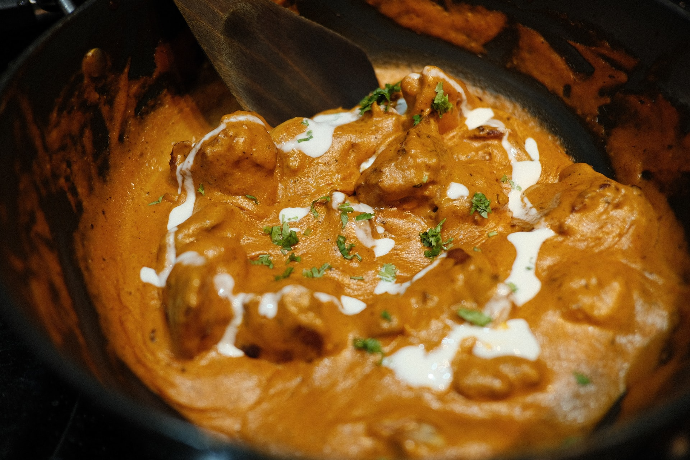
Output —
<point x="478" y="117"/>
<point x="522" y="274"/>
<point x="391" y="287"/>
<point x="381" y="246"/>
<point x="434" y="370"/>
<point x="317" y="138"/>
<point x="293" y="214"/>
<point x="224" y="285"/>
<point x="456" y="191"/>
<point x="346" y="304"/>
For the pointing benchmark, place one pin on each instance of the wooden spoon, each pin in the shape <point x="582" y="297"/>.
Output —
<point x="275" y="62"/>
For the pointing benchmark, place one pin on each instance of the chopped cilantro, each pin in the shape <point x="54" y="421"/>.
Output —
<point x="474" y="316"/>
<point x="345" y="249"/>
<point x="158" y="201"/>
<point x="316" y="272"/>
<point x="491" y="234"/>
<point x="307" y="232"/>
<point x="581" y="378"/>
<point x="324" y="199"/>
<point x="387" y="316"/>
<point x="388" y="272"/>
<point x="476" y="249"/>
<point x="370" y="345"/>
<point x="513" y="185"/>
<point x="416" y="119"/>
<point x="513" y="287"/>
<point x="378" y="96"/>
<point x="432" y="239"/>
<point x="364" y="216"/>
<point x="310" y="136"/>
<point x="253" y="198"/>
<point x="481" y="204"/>
<point x="293" y="258"/>
<point x="360" y="278"/>
<point x="282" y="236"/>
<point x="201" y="190"/>
<point x="263" y="259"/>
<point x="285" y="274"/>
<point x="441" y="103"/>
<point x="344" y="209"/>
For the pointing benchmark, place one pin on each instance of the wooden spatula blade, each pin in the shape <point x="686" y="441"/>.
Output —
<point x="277" y="63"/>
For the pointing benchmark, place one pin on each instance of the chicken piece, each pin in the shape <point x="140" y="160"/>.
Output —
<point x="197" y="315"/>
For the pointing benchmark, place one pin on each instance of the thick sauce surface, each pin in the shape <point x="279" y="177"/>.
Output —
<point x="432" y="276"/>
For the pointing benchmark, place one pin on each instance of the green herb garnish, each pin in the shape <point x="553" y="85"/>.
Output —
<point x="473" y="316"/>
<point x="307" y="232"/>
<point x="282" y="236"/>
<point x="360" y="278"/>
<point x="364" y="216"/>
<point x="441" y="103"/>
<point x="416" y="119"/>
<point x="432" y="239"/>
<point x="158" y="201"/>
<point x="324" y="199"/>
<point x="387" y="316"/>
<point x="476" y="249"/>
<point x="370" y="345"/>
<point x="379" y="96"/>
<point x="201" y="190"/>
<point x="316" y="272"/>
<point x="253" y="198"/>
<point x="388" y="272"/>
<point x="293" y="258"/>
<point x="345" y="249"/>
<point x="310" y="136"/>
<point x="285" y="274"/>
<point x="513" y="287"/>
<point x="263" y="259"/>
<point x="344" y="209"/>
<point x="481" y="204"/>
<point x="491" y="234"/>
<point x="513" y="185"/>
<point x="581" y="378"/>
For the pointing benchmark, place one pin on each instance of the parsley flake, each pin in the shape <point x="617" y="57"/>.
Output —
<point x="253" y="198"/>
<point x="581" y="378"/>
<point x="476" y="249"/>
<point x="282" y="236"/>
<point x="491" y="234"/>
<point x="359" y="278"/>
<point x="285" y="274"/>
<point x="474" y="317"/>
<point x="364" y="216"/>
<point x="293" y="258"/>
<point x="481" y="204"/>
<point x="513" y="185"/>
<point x="388" y="273"/>
<point x="345" y="249"/>
<point x="370" y="345"/>
<point x="158" y="201"/>
<point x="314" y="212"/>
<point x="441" y="103"/>
<point x="416" y="119"/>
<point x="316" y="272"/>
<point x="344" y="209"/>
<point x="310" y="136"/>
<point x="263" y="259"/>
<point x="432" y="239"/>
<point x="307" y="232"/>
<point x="513" y="287"/>
<point x="378" y="96"/>
<point x="387" y="316"/>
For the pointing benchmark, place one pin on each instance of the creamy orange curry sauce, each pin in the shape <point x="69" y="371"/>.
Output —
<point x="427" y="274"/>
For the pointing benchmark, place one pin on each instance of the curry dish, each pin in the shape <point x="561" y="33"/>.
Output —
<point x="427" y="274"/>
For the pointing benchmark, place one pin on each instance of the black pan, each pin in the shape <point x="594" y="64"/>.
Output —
<point x="656" y="32"/>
